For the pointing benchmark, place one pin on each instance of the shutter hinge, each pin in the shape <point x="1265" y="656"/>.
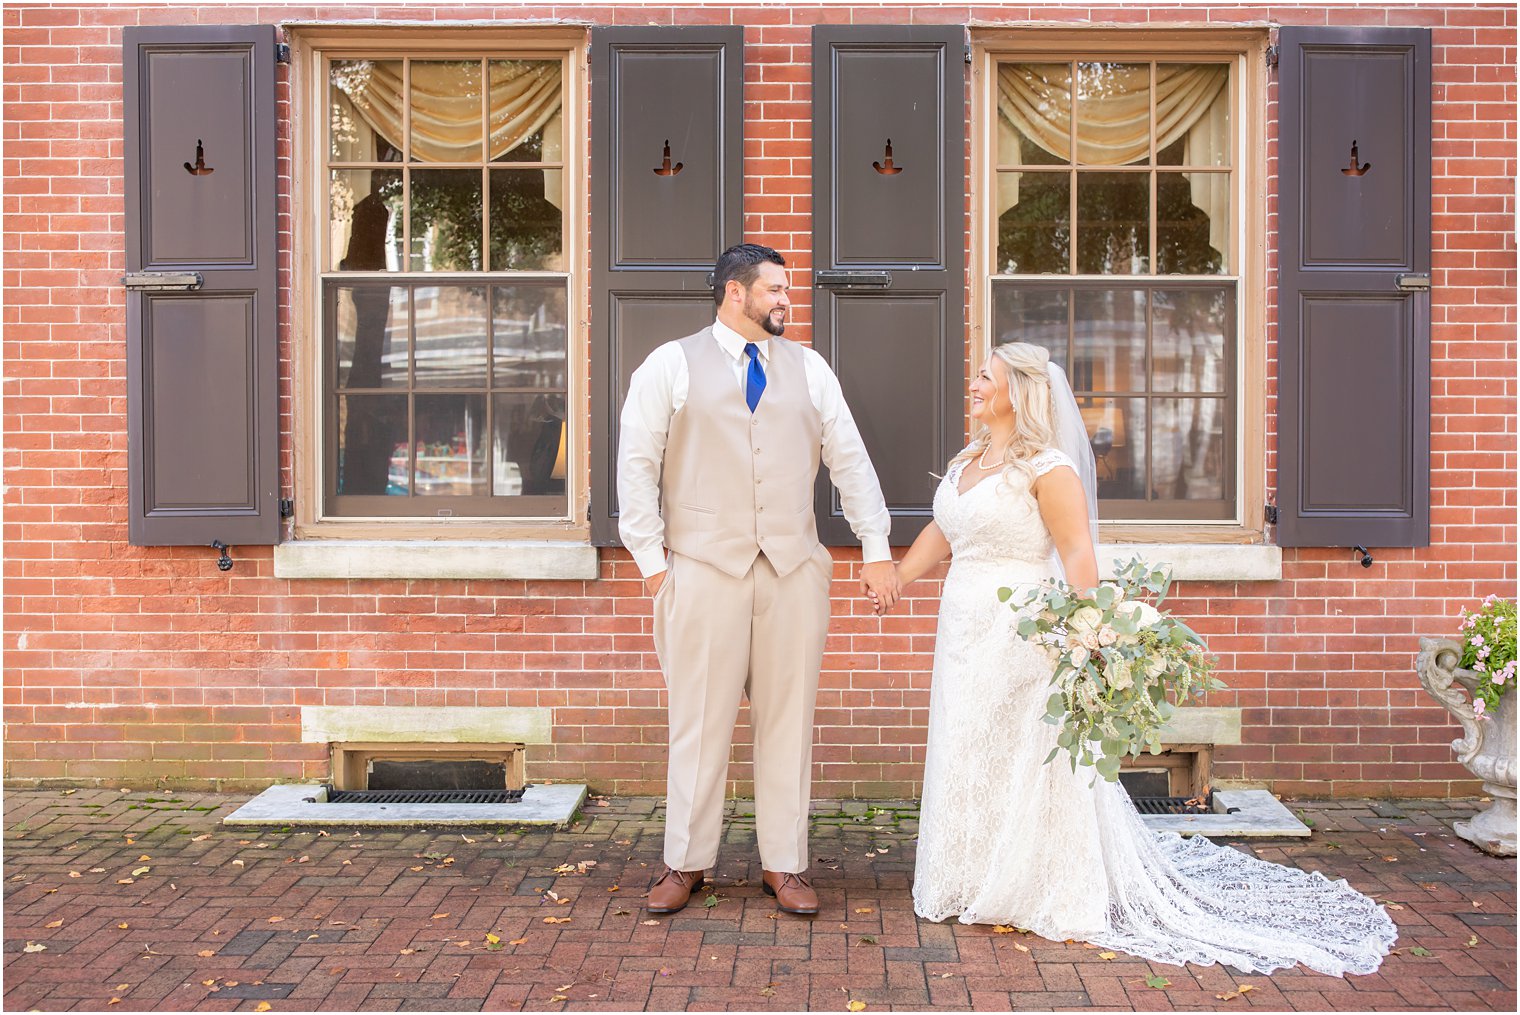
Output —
<point x="287" y="507"/>
<point x="968" y="55"/>
<point x="1272" y="54"/>
<point x="1271" y="511"/>
<point x="282" y="52"/>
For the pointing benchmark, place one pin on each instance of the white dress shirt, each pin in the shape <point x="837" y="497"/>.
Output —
<point x="657" y="391"/>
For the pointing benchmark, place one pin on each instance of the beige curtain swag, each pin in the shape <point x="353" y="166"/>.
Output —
<point x="1114" y="129"/>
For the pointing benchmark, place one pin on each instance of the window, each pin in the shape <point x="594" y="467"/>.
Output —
<point x="1112" y="241"/>
<point x="445" y="285"/>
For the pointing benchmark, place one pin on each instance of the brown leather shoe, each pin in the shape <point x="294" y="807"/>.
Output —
<point x="793" y="893"/>
<point x="672" y="890"/>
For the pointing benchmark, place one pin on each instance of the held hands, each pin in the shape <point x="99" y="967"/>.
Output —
<point x="879" y="581"/>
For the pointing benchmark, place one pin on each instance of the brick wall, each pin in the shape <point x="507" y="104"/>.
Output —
<point x="135" y="665"/>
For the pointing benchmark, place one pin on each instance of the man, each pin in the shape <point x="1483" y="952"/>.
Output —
<point x="722" y="434"/>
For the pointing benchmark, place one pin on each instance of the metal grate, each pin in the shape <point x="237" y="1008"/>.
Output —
<point x="1174" y="804"/>
<point x="423" y="796"/>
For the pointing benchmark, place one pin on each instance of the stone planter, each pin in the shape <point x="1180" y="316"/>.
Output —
<point x="1487" y="749"/>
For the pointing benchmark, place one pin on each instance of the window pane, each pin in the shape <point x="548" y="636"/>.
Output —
<point x="364" y="219"/>
<point x="1192" y="223"/>
<point x="364" y="111"/>
<point x="1113" y="113"/>
<point x="446" y="206"/>
<point x="1034" y="114"/>
<point x="447" y="116"/>
<point x="528" y="332"/>
<point x="1188" y="338"/>
<point x="1034" y="223"/>
<point x="1193" y="114"/>
<point x="1037" y="316"/>
<point x="1116" y="428"/>
<point x="371" y="330"/>
<point x="1108" y="340"/>
<point x="1188" y="458"/>
<point x="528" y="448"/>
<point x="372" y="445"/>
<point x="524" y="115"/>
<point x="525" y="220"/>
<point x="451" y="451"/>
<point x="451" y="336"/>
<point x="1113" y="223"/>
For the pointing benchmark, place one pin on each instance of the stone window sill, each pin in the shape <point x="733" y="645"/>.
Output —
<point x="383" y="558"/>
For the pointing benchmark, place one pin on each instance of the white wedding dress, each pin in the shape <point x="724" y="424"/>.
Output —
<point x="1005" y="838"/>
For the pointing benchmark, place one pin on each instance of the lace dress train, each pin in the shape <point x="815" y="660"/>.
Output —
<point x="1005" y="838"/>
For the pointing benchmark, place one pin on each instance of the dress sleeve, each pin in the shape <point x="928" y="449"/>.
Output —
<point x="1049" y="459"/>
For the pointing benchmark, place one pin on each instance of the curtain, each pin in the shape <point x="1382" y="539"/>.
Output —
<point x="1113" y="129"/>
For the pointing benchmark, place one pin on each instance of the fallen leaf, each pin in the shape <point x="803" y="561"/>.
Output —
<point x="556" y="919"/>
<point x="145" y="857"/>
<point x="1157" y="982"/>
<point x="415" y="868"/>
<point x="114" y="1000"/>
<point x="1471" y="942"/>
<point x="518" y="941"/>
<point x="1232" y="995"/>
<point x="97" y="870"/>
<point x="856" y="1006"/>
<point x="647" y="923"/>
<point x="59" y="923"/>
<point x="32" y="946"/>
<point x="864" y="911"/>
<point x="614" y="888"/>
<point x="1421" y="952"/>
<point x="439" y="916"/>
<point x="1021" y="946"/>
<point x="1107" y="956"/>
<point x="622" y="912"/>
<point x="262" y="1006"/>
<point x="208" y="983"/>
<point x="304" y="859"/>
<point x="75" y="874"/>
<point x="124" y="881"/>
<point x="1393" y="905"/>
<point x="323" y="833"/>
<point x="231" y="983"/>
<point x="558" y="997"/>
<point x="122" y="986"/>
<point x="200" y="838"/>
<point x="466" y="838"/>
<point x="1245" y="988"/>
<point x="664" y="971"/>
<point x="121" y="926"/>
<point x="276" y="919"/>
<point x="1003" y="929"/>
<point x="769" y="990"/>
<point x="408" y="951"/>
<point x="562" y="902"/>
<point x="139" y="872"/>
<point x="205" y="953"/>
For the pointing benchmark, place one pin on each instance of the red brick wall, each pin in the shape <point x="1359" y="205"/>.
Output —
<point x="135" y="665"/>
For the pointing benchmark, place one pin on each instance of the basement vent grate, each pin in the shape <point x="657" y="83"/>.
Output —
<point x="1175" y="804"/>
<point x="423" y="796"/>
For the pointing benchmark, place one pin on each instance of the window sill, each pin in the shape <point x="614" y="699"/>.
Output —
<point x="385" y="558"/>
<point x="1208" y="562"/>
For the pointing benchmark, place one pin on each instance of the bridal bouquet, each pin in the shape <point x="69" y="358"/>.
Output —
<point x="1122" y="665"/>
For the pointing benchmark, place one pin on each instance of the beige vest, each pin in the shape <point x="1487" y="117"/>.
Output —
<point x="736" y="485"/>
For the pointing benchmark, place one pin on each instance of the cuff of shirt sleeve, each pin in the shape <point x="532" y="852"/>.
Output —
<point x="874" y="548"/>
<point x="650" y="562"/>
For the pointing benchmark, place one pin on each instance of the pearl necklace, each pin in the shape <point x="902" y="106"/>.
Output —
<point x="981" y="463"/>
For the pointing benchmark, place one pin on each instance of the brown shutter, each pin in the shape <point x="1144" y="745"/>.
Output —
<point x="1354" y="323"/>
<point x="889" y="252"/>
<point x="202" y="367"/>
<point x="667" y="198"/>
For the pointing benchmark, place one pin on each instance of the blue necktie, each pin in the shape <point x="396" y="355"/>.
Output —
<point x="754" y="379"/>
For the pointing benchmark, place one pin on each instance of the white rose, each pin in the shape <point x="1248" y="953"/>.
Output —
<point x="1119" y="675"/>
<point x="1079" y="657"/>
<point x="1085" y="619"/>
<point x="1154" y="666"/>
<point x="1107" y="635"/>
<point x="1143" y="613"/>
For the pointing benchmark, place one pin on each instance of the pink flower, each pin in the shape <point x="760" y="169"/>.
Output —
<point x="1480" y="666"/>
<point x="1477" y="639"/>
<point x="1501" y="676"/>
<point x="1479" y="707"/>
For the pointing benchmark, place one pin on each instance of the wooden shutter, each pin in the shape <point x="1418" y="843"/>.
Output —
<point x="1354" y="299"/>
<point x="667" y="198"/>
<point x="202" y="366"/>
<point x="889" y="252"/>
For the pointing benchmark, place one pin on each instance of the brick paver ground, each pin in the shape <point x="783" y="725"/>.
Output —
<point x="145" y="897"/>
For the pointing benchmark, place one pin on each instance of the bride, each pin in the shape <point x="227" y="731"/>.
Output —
<point x="1005" y="838"/>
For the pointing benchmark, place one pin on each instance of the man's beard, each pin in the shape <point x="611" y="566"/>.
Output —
<point x="765" y="320"/>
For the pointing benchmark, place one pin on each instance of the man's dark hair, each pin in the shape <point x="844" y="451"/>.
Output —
<point x="741" y="263"/>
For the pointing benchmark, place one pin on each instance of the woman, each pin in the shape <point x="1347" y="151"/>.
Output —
<point x="1005" y="838"/>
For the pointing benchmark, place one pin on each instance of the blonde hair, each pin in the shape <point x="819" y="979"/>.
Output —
<point x="1027" y="367"/>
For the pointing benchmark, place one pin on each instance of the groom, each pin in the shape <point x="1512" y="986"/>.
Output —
<point x="722" y="433"/>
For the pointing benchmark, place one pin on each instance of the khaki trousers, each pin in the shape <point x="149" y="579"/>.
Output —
<point x="718" y="636"/>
